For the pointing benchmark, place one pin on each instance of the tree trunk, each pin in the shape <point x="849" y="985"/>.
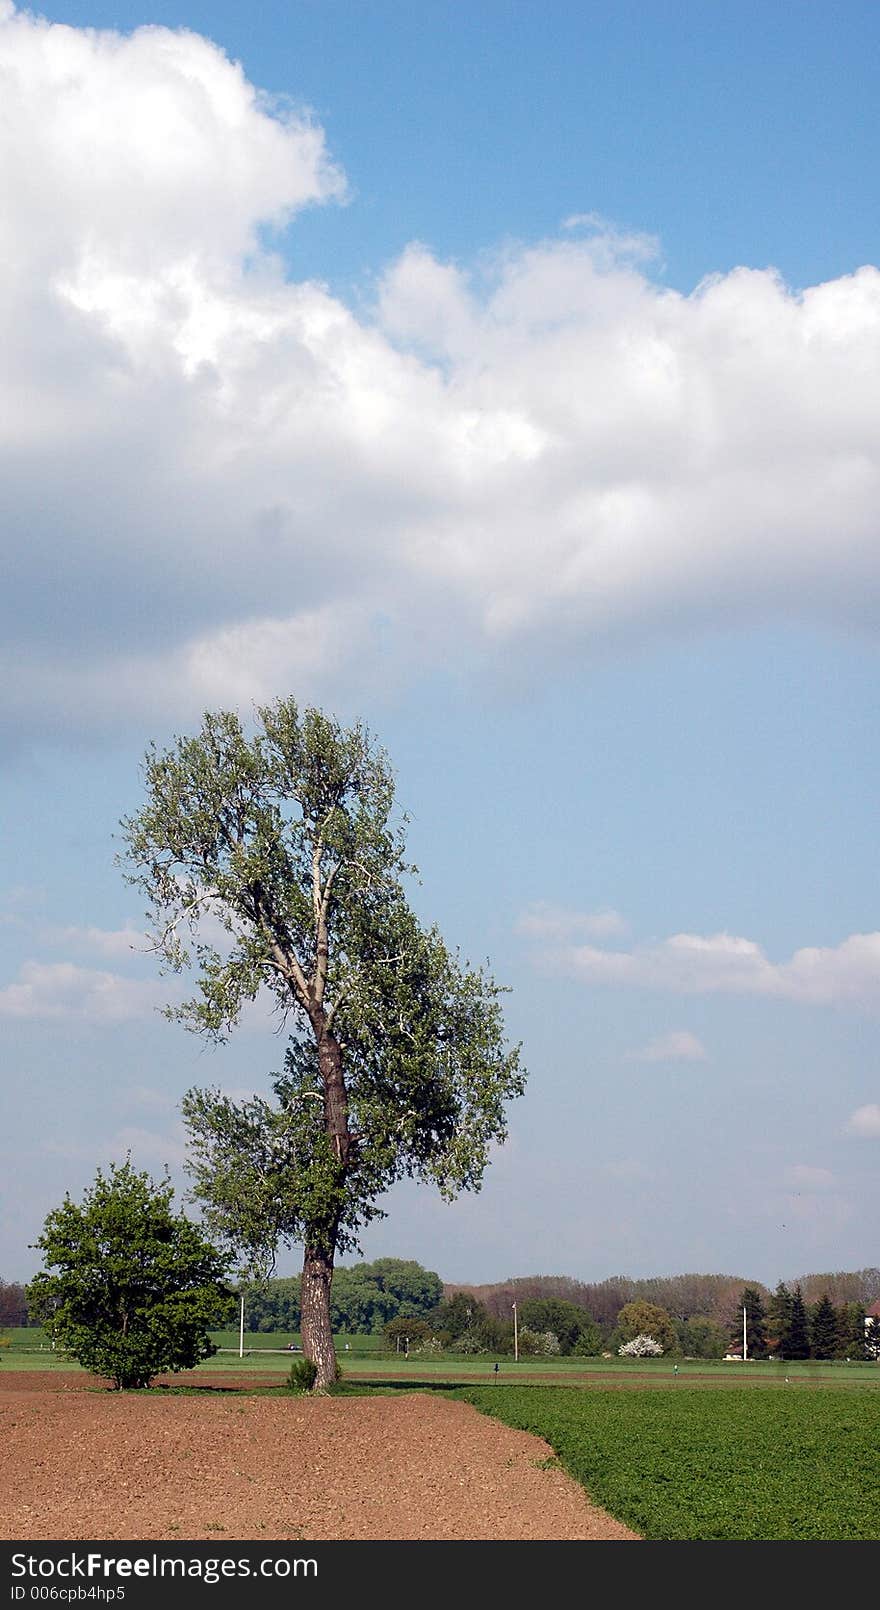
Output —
<point x="335" y="1094"/>
<point x="317" y="1332"/>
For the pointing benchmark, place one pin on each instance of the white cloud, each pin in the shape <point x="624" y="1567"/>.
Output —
<point x="543" y="920"/>
<point x="696" y="964"/>
<point x="616" y="244"/>
<point x="217" y="484"/>
<point x="80" y="994"/>
<point x="678" y="1046"/>
<point x="865" y="1121"/>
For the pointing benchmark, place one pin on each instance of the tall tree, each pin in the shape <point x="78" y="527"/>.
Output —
<point x="396" y="1063"/>
<point x="779" y="1317"/>
<point x="796" y="1341"/>
<point x="756" y="1325"/>
<point x="850" y="1343"/>
<point x="823" y="1328"/>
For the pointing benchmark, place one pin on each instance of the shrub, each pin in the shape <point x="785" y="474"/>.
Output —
<point x="640" y="1347"/>
<point x="138" y="1287"/>
<point x="303" y="1374"/>
<point x="408" y="1329"/>
<point x="538" y="1344"/>
<point x="589" y="1343"/>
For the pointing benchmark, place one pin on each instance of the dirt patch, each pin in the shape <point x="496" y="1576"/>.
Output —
<point x="78" y="1463"/>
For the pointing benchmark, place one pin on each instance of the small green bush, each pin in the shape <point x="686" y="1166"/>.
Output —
<point x="303" y="1374"/>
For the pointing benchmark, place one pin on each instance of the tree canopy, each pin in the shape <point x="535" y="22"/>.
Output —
<point x="137" y="1285"/>
<point x="565" y="1320"/>
<point x="276" y="860"/>
<point x="756" y="1322"/>
<point x="639" y="1319"/>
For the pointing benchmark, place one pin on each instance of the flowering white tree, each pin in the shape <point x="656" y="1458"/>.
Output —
<point x="640" y="1347"/>
<point x="538" y="1344"/>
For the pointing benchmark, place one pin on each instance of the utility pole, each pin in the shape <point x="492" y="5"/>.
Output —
<point x="745" y="1343"/>
<point x="241" y="1329"/>
<point x="515" y="1336"/>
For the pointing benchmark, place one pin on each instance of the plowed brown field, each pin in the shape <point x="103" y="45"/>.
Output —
<point x="80" y="1462"/>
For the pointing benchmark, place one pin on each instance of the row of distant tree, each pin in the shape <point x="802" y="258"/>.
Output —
<point x="787" y="1326"/>
<point x="13" y="1304"/>
<point x="700" y="1318"/>
<point x="364" y="1297"/>
<point x="684" y="1297"/>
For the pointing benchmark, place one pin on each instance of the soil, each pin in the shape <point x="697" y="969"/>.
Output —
<point x="80" y="1462"/>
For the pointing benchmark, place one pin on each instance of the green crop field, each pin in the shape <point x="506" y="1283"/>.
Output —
<point x="680" y="1463"/>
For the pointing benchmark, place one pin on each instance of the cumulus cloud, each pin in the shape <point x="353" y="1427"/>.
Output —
<point x="678" y="1046"/>
<point x="218" y="482"/>
<point x="865" y="1121"/>
<point x="847" y="974"/>
<point x="79" y="994"/>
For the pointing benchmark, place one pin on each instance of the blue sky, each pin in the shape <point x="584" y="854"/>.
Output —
<point x="505" y="376"/>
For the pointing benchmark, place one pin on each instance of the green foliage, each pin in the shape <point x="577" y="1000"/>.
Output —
<point x="302" y="1376"/>
<point x="796" y="1339"/>
<point x="823" y="1329"/>
<point x="409" y="1331"/>
<point x="396" y="1064"/>
<point x="778" y="1317"/>
<point x="137" y="1286"/>
<point x="495" y="1335"/>
<point x="538" y="1344"/>
<point x="700" y="1337"/>
<point x="850" y="1340"/>
<point x="363" y="1297"/>
<point x="807" y="1464"/>
<point x="647" y="1319"/>
<point x="565" y="1320"/>
<point x="756" y="1327"/>
<point x="273" y="1305"/>
<point x="590" y="1342"/>
<point x="464" y="1325"/>
<point x="287" y="841"/>
<point x="457" y="1316"/>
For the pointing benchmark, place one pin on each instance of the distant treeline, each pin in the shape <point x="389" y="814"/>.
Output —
<point x="364" y="1297"/>
<point x="684" y="1297"/>
<point x="13" y="1305"/>
<point x="704" y="1311"/>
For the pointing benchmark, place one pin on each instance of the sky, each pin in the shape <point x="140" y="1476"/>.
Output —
<point x="506" y="377"/>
